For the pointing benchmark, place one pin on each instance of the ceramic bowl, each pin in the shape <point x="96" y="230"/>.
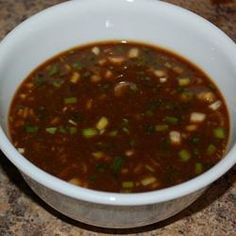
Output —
<point x="83" y="21"/>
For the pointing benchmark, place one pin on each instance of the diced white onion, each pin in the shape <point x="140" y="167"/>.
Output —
<point x="160" y="73"/>
<point x="214" y="106"/>
<point x="21" y="150"/>
<point x="133" y="53"/>
<point x="175" y="137"/>
<point x="96" y="50"/>
<point x="163" y="80"/>
<point x="148" y="180"/>
<point x="197" y="117"/>
<point x="116" y="60"/>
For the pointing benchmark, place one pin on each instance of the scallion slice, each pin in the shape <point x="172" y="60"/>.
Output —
<point x="70" y="100"/>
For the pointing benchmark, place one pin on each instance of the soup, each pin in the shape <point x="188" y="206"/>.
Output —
<point x="120" y="117"/>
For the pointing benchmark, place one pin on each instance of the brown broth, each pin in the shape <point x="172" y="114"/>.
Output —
<point x="120" y="117"/>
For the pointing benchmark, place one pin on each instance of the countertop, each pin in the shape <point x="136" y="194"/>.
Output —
<point x="23" y="213"/>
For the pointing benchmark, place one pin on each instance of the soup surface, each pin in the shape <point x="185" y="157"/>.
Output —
<point x="120" y="117"/>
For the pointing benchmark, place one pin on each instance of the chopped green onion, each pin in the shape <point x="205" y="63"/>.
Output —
<point x="149" y="129"/>
<point x="195" y="140"/>
<point x="89" y="132"/>
<point x="160" y="128"/>
<point x="57" y="83"/>
<point x="184" y="155"/>
<point x="198" y="168"/>
<point x="39" y="80"/>
<point x="211" y="149"/>
<point x="62" y="130"/>
<point x="31" y="129"/>
<point x="172" y="120"/>
<point x="219" y="133"/>
<point x="117" y="164"/>
<point x="51" y="130"/>
<point x="53" y="70"/>
<point x="184" y="81"/>
<point x="127" y="184"/>
<point x="70" y="100"/>
<point x="72" y="130"/>
<point x="102" y="123"/>
<point x="98" y="154"/>
<point x="113" y="133"/>
<point x="77" y="65"/>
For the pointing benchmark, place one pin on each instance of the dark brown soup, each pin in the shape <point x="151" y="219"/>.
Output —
<point x="120" y="117"/>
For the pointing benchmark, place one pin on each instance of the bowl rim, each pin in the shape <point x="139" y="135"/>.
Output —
<point x="110" y="198"/>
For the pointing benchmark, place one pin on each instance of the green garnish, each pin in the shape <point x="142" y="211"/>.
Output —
<point x="31" y="129"/>
<point x="72" y="130"/>
<point x="195" y="140"/>
<point x="184" y="155"/>
<point x="89" y="132"/>
<point x="62" y="130"/>
<point x="51" y="130"/>
<point x="211" y="149"/>
<point x="198" y="168"/>
<point x="127" y="184"/>
<point x="39" y="80"/>
<point x="70" y="100"/>
<point x="160" y="128"/>
<point x="183" y="81"/>
<point x="171" y="120"/>
<point x="117" y="164"/>
<point x="57" y="83"/>
<point x="77" y="65"/>
<point x="113" y="133"/>
<point x="219" y="133"/>
<point x="52" y="70"/>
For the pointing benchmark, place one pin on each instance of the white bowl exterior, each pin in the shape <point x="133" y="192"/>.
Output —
<point x="69" y="24"/>
<point x="113" y="216"/>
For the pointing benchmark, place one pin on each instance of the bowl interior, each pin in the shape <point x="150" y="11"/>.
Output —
<point x="79" y="22"/>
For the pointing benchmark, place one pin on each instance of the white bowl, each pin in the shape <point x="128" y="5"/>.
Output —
<point x="78" y="22"/>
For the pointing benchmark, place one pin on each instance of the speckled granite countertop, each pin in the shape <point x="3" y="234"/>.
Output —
<point x="23" y="213"/>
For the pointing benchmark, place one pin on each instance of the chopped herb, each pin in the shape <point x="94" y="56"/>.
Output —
<point x="101" y="167"/>
<point x="89" y="132"/>
<point x="149" y="129"/>
<point x="31" y="129"/>
<point x="113" y="133"/>
<point x="171" y="120"/>
<point x="102" y="123"/>
<point x="62" y="130"/>
<point x="211" y="149"/>
<point x="98" y="154"/>
<point x="51" y="130"/>
<point x="198" y="168"/>
<point x="149" y="113"/>
<point x="70" y="100"/>
<point x="39" y="80"/>
<point x="160" y="128"/>
<point x="183" y="81"/>
<point x="77" y="65"/>
<point x="195" y="140"/>
<point x="57" y="83"/>
<point x="219" y="133"/>
<point x="92" y="178"/>
<point x="127" y="184"/>
<point x="52" y="70"/>
<point x="117" y="164"/>
<point x="154" y="104"/>
<point x="184" y="155"/>
<point x="73" y="130"/>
